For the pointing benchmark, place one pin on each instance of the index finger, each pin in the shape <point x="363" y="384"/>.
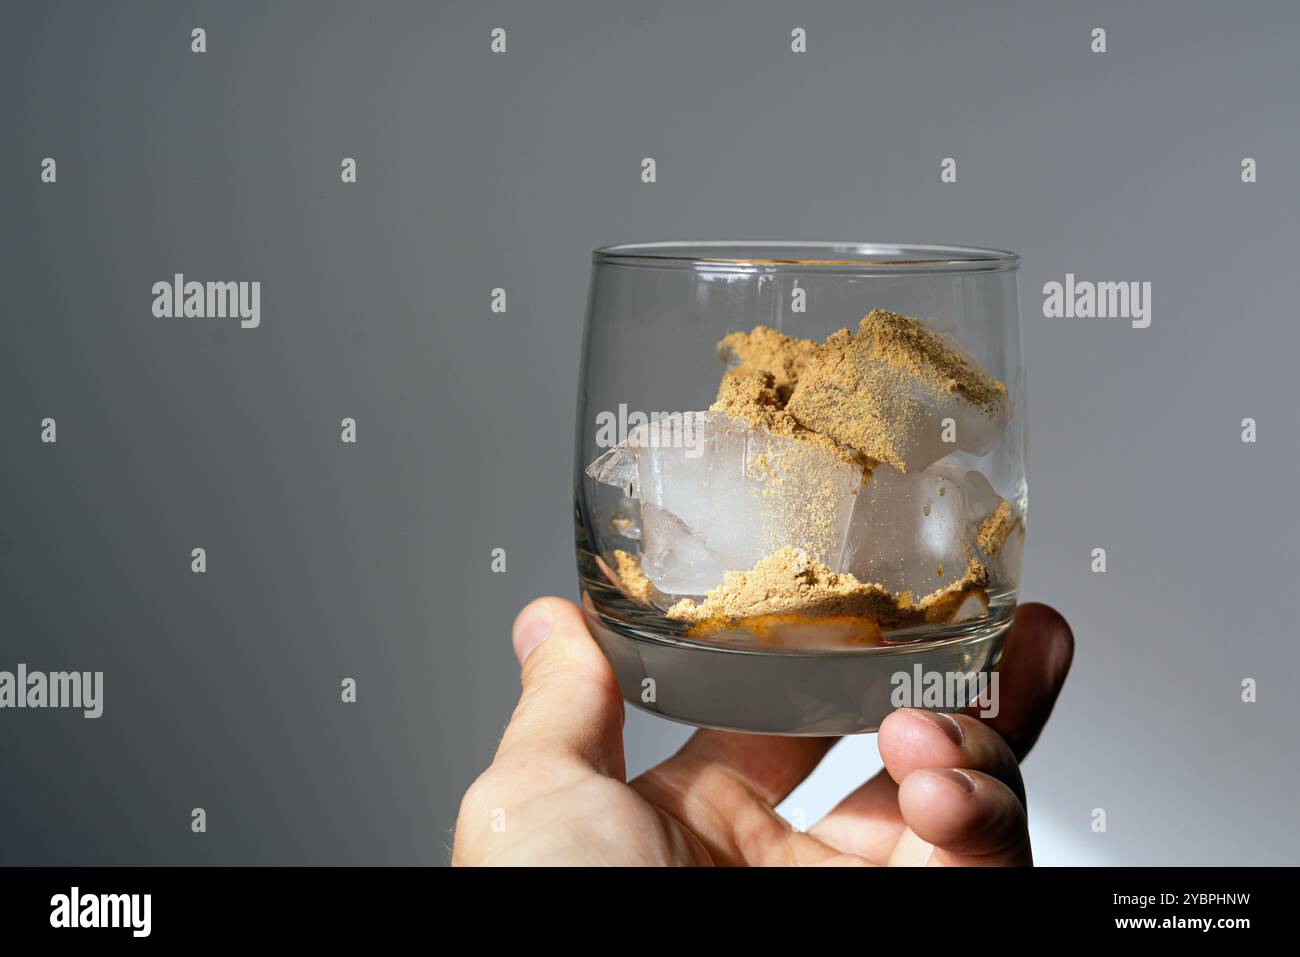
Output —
<point x="1034" y="664"/>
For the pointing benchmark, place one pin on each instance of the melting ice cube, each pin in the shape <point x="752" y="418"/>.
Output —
<point x="718" y="495"/>
<point x="945" y="422"/>
<point x="674" y="557"/>
<point x="916" y="531"/>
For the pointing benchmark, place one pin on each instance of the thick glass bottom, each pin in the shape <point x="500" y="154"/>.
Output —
<point x="791" y="692"/>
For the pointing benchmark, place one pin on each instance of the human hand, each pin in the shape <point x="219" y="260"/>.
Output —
<point x="557" y="791"/>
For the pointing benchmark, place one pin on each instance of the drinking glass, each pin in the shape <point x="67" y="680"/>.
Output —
<point x="656" y="313"/>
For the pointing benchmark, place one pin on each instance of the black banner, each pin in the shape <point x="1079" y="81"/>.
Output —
<point x="234" y="905"/>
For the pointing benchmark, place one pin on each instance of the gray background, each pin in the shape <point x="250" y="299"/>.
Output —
<point x="479" y="170"/>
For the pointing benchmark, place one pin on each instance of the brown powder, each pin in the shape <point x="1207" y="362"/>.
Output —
<point x="763" y="349"/>
<point x="753" y="399"/>
<point x="628" y="574"/>
<point x="933" y="358"/>
<point x="860" y="390"/>
<point x="995" y="528"/>
<point x="789" y="582"/>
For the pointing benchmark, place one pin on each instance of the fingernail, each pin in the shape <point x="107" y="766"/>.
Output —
<point x="531" y="628"/>
<point x="959" y="778"/>
<point x="945" y="723"/>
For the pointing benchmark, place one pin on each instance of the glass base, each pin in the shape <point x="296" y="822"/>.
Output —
<point x="816" y="693"/>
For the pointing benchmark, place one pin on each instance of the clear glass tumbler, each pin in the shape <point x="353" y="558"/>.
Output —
<point x="845" y="525"/>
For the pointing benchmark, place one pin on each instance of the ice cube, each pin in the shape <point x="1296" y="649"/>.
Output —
<point x="917" y="531"/>
<point x="718" y="495"/>
<point x="981" y="500"/>
<point x="694" y="470"/>
<point x="675" y="558"/>
<point x="943" y="423"/>
<point x="617" y="467"/>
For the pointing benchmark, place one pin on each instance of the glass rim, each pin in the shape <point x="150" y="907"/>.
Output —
<point x="801" y="255"/>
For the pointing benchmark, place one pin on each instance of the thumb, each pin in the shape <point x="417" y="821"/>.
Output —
<point x="570" y="703"/>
